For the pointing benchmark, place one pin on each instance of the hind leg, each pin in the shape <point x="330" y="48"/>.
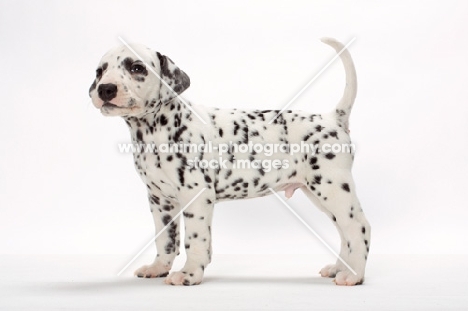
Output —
<point x="337" y="198"/>
<point x="332" y="269"/>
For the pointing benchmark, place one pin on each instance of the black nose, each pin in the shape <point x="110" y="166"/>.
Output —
<point x="107" y="91"/>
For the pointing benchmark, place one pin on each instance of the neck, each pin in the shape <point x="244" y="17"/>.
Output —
<point x="165" y="119"/>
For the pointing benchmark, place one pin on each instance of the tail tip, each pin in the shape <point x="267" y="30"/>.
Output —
<point x="329" y="40"/>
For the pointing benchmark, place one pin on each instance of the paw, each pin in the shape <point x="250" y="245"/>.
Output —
<point x="348" y="278"/>
<point x="330" y="271"/>
<point x="152" y="271"/>
<point x="184" y="278"/>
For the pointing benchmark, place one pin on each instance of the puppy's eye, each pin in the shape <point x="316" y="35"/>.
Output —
<point x="98" y="73"/>
<point x="137" y="68"/>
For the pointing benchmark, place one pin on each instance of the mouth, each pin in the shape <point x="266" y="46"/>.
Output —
<point x="108" y="105"/>
<point x="109" y="109"/>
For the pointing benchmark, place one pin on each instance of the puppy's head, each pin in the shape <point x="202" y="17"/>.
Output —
<point x="127" y="85"/>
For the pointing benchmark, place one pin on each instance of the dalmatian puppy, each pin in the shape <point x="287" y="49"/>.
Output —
<point x="143" y="87"/>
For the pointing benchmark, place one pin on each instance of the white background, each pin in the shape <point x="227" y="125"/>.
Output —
<point x="69" y="200"/>
<point x="65" y="189"/>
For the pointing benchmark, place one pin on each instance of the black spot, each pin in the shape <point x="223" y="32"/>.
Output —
<point x="311" y="118"/>
<point x="166" y="219"/>
<point x="179" y="132"/>
<point x="220" y="131"/>
<point x="294" y="173"/>
<point x="236" y="127"/>
<point x="195" y="235"/>
<point x="169" y="158"/>
<point x="180" y="171"/>
<point x="208" y="201"/>
<point x="155" y="199"/>
<point x="167" y="207"/>
<point x="333" y="134"/>
<point x="318" y="179"/>
<point x="334" y="218"/>
<point x="188" y="215"/>
<point x="255" y="181"/>
<point x="345" y="187"/>
<point x="340" y="112"/>
<point x="177" y="120"/>
<point x="127" y="63"/>
<point x="156" y="186"/>
<point x="306" y="137"/>
<point x="207" y="178"/>
<point x="163" y="120"/>
<point x="313" y="160"/>
<point x="351" y="215"/>
<point x="245" y="136"/>
<point x="319" y="128"/>
<point x="139" y="135"/>
<point x="169" y="248"/>
<point x="329" y="156"/>
<point x="363" y="230"/>
<point x="93" y="87"/>
<point x="235" y="182"/>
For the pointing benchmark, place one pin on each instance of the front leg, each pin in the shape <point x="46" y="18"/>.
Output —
<point x="197" y="218"/>
<point x="168" y="241"/>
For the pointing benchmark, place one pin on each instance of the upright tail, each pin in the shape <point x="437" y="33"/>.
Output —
<point x="343" y="109"/>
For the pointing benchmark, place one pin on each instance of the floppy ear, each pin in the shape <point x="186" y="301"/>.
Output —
<point x="178" y="80"/>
